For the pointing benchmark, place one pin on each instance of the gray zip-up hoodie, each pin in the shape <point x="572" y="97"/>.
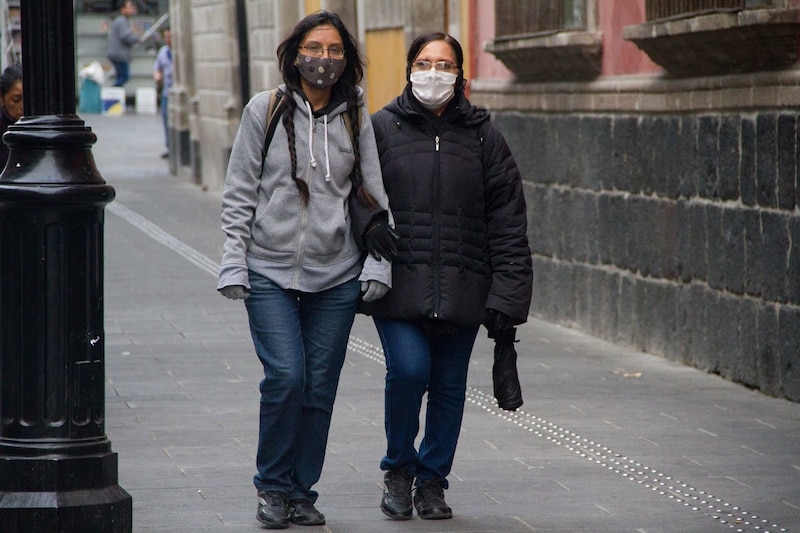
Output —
<point x="306" y="247"/>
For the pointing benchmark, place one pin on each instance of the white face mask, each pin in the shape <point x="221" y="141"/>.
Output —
<point x="433" y="88"/>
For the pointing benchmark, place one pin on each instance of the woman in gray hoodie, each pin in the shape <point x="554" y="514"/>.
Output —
<point x="292" y="253"/>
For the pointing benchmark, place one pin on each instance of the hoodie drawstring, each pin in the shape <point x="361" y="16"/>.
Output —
<point x="311" y="142"/>
<point x="327" y="159"/>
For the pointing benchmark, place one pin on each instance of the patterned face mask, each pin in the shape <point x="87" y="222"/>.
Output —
<point x="320" y="72"/>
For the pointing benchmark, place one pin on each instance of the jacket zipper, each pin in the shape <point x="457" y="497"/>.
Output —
<point x="436" y="230"/>
<point x="300" y="243"/>
<point x="303" y="222"/>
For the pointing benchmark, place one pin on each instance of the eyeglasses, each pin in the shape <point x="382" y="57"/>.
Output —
<point x="316" y="50"/>
<point x="439" y="65"/>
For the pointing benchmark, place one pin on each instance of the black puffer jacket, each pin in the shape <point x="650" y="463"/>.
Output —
<point x="458" y="205"/>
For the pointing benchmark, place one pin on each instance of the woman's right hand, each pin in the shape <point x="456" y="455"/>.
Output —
<point x="235" y="292"/>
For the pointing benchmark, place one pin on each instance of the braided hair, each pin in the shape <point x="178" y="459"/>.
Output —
<point x="347" y="83"/>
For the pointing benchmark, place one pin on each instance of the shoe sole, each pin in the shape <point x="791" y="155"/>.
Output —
<point x="437" y="516"/>
<point x="273" y="524"/>
<point x="396" y="515"/>
<point x="314" y="522"/>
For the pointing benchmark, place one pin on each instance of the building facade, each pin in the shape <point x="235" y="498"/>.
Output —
<point x="658" y="141"/>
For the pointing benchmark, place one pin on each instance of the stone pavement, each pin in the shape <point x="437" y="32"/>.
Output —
<point x="609" y="439"/>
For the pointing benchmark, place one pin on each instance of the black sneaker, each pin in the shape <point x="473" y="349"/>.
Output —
<point x="273" y="510"/>
<point x="396" y="502"/>
<point x="305" y="514"/>
<point x="429" y="501"/>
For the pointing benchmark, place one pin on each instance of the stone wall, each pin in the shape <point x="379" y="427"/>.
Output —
<point x="675" y="232"/>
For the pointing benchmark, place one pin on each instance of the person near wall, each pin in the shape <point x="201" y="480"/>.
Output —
<point x="292" y="254"/>
<point x="122" y="36"/>
<point x="163" y="76"/>
<point x="463" y="260"/>
<point x="11" y="103"/>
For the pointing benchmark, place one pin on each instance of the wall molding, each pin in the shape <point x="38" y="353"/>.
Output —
<point x="643" y="94"/>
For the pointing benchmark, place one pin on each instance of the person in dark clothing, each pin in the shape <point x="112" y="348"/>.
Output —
<point x="10" y="104"/>
<point x="463" y="260"/>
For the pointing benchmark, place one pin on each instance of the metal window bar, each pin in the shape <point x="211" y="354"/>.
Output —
<point x="665" y="9"/>
<point x="515" y="17"/>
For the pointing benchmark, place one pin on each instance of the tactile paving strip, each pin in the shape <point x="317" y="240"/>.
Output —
<point x="682" y="493"/>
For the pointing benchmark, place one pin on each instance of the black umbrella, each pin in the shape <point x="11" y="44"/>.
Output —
<point x="507" y="389"/>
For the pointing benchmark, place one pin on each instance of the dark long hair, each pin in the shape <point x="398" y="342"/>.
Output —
<point x="10" y="76"/>
<point x="347" y="83"/>
<point x="423" y="40"/>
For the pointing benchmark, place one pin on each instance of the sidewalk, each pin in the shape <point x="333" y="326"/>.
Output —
<point x="609" y="439"/>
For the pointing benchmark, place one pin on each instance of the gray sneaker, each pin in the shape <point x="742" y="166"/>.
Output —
<point x="273" y="509"/>
<point x="396" y="502"/>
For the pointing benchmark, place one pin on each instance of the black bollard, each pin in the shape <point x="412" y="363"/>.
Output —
<point x="57" y="470"/>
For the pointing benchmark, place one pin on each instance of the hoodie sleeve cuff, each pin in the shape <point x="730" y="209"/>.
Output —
<point x="233" y="275"/>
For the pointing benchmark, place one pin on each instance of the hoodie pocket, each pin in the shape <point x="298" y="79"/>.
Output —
<point x="327" y="231"/>
<point x="277" y="224"/>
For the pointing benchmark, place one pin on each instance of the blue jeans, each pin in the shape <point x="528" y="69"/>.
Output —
<point x="418" y="361"/>
<point x="165" y="117"/>
<point x="123" y="69"/>
<point x="301" y="340"/>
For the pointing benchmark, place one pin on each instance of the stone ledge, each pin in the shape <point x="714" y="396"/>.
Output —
<point x="722" y="42"/>
<point x="643" y="94"/>
<point x="569" y="55"/>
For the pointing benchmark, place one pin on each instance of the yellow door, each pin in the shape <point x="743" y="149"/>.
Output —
<point x="386" y="66"/>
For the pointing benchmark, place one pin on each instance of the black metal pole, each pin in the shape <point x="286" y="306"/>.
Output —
<point x="244" y="51"/>
<point x="57" y="470"/>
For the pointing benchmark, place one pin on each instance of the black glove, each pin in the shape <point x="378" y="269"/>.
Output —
<point x="381" y="240"/>
<point x="505" y="378"/>
<point x="498" y="325"/>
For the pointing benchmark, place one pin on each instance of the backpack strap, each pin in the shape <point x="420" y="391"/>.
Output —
<point x="275" y="101"/>
<point x="348" y="124"/>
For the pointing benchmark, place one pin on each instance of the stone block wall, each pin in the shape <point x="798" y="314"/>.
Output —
<point x="674" y="233"/>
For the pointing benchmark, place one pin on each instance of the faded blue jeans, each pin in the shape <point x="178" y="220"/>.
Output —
<point x="417" y="362"/>
<point x="301" y="340"/>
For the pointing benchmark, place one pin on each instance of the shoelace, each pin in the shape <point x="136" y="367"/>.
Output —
<point x="431" y="493"/>
<point x="273" y="499"/>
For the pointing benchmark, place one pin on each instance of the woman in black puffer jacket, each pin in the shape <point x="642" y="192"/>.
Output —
<point x="463" y="259"/>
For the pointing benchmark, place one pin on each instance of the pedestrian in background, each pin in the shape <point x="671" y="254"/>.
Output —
<point x="11" y="104"/>
<point x="122" y="36"/>
<point x="163" y="76"/>
<point x="292" y="255"/>
<point x="463" y="259"/>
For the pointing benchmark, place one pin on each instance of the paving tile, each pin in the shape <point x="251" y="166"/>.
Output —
<point x="609" y="439"/>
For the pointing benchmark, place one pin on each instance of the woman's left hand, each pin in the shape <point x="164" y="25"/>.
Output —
<point x="373" y="290"/>
<point x="381" y="240"/>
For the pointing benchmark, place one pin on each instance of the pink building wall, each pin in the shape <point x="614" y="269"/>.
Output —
<point x="483" y="64"/>
<point x="620" y="57"/>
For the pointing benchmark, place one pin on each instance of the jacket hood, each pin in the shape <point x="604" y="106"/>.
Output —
<point x="337" y="104"/>
<point x="459" y="110"/>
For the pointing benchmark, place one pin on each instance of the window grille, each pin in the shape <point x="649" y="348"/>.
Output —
<point x="662" y="9"/>
<point x="515" y="17"/>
